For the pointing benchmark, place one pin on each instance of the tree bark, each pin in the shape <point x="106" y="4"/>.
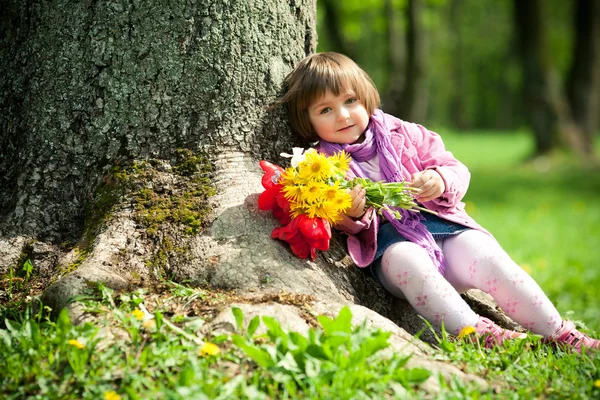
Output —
<point x="548" y="110"/>
<point x="395" y="57"/>
<point x="543" y="115"/>
<point x="101" y="104"/>
<point x="86" y="84"/>
<point x="334" y="29"/>
<point x="584" y="76"/>
<point x="411" y="102"/>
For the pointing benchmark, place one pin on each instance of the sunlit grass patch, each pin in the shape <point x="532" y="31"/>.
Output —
<point x="545" y="213"/>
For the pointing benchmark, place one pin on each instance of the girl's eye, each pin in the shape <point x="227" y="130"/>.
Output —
<point x="325" y="110"/>
<point x="351" y="100"/>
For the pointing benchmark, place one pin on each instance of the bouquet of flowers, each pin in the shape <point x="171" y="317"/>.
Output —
<point x="313" y="193"/>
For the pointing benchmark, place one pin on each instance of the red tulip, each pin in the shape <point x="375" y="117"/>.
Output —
<point x="305" y="235"/>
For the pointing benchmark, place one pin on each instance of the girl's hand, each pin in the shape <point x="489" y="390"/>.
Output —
<point x="430" y="184"/>
<point x="359" y="199"/>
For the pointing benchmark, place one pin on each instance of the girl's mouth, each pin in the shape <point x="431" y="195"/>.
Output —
<point x="345" y="128"/>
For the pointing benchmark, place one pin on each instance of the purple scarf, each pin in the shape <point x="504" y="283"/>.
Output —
<point x="377" y="141"/>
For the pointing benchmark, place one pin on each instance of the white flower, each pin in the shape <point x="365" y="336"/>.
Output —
<point x="297" y="156"/>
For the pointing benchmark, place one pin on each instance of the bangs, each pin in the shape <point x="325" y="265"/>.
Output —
<point x="328" y="78"/>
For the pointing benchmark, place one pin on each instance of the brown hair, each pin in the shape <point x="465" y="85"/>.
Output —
<point x="317" y="74"/>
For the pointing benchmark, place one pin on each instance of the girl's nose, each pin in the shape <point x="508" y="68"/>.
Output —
<point x="343" y="113"/>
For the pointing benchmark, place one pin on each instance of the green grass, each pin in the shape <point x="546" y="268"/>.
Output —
<point x="545" y="214"/>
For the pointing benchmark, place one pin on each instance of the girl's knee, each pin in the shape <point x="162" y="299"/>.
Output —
<point x="405" y="256"/>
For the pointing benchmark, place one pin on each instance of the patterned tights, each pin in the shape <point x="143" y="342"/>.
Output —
<point x="474" y="260"/>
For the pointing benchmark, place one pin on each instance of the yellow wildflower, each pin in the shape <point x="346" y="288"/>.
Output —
<point x="597" y="383"/>
<point x="317" y="210"/>
<point x="297" y="209"/>
<point x="139" y="314"/>
<point x="289" y="177"/>
<point x="76" y="343"/>
<point x="112" y="395"/>
<point x="293" y="192"/>
<point x="342" y="201"/>
<point x="316" y="166"/>
<point x="209" y="349"/>
<point x="341" y="160"/>
<point x="466" y="331"/>
<point x="313" y="192"/>
<point x="331" y="191"/>
<point x="330" y="209"/>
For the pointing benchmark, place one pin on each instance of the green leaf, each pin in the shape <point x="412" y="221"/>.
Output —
<point x="319" y="352"/>
<point x="186" y="377"/>
<point x="12" y="326"/>
<point x="417" y="375"/>
<point x="252" y="326"/>
<point x="312" y="367"/>
<point x="258" y="355"/>
<point x="239" y="318"/>
<point x="342" y="323"/>
<point x="6" y="337"/>
<point x="33" y="332"/>
<point x="288" y="363"/>
<point x="274" y="330"/>
<point x="299" y="341"/>
<point x="158" y="317"/>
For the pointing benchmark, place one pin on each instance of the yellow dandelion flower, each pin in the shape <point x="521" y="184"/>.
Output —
<point x="293" y="192"/>
<point x="289" y="177"/>
<point x="138" y="314"/>
<point x="331" y="191"/>
<point x="466" y="331"/>
<point x="316" y="166"/>
<point x="297" y="209"/>
<point x="313" y="191"/>
<point x="112" y="395"/>
<point x="76" y="343"/>
<point x="342" y="201"/>
<point x="209" y="349"/>
<point x="597" y="383"/>
<point x="317" y="210"/>
<point x="341" y="160"/>
<point x="333" y="214"/>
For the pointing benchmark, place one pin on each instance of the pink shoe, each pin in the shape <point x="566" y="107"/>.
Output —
<point x="568" y="336"/>
<point x="495" y="335"/>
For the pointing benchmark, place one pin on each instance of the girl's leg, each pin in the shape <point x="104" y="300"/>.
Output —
<point x="475" y="260"/>
<point x="406" y="271"/>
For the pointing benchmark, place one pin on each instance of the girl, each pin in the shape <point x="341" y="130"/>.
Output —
<point x="423" y="258"/>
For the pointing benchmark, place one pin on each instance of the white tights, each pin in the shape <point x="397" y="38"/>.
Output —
<point x="474" y="260"/>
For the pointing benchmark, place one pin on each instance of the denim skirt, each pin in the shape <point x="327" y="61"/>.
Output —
<point x="388" y="235"/>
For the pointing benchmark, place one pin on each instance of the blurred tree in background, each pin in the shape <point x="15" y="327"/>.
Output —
<point x="478" y="64"/>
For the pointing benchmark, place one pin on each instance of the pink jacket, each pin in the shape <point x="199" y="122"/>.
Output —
<point x="419" y="149"/>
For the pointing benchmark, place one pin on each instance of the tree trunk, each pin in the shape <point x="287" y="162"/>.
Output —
<point x="98" y="102"/>
<point x="135" y="129"/>
<point x="584" y="75"/>
<point x="457" y="105"/>
<point x="548" y="111"/>
<point x="411" y="103"/>
<point x="543" y="117"/>
<point x="334" y="30"/>
<point x="87" y="84"/>
<point x="395" y="57"/>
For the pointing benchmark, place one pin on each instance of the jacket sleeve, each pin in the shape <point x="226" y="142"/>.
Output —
<point x="433" y="155"/>
<point x="351" y="226"/>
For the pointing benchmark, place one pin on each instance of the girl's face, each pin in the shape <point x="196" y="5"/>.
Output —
<point x="338" y="119"/>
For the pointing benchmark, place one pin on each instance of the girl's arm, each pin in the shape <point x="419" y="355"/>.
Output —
<point x="433" y="155"/>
